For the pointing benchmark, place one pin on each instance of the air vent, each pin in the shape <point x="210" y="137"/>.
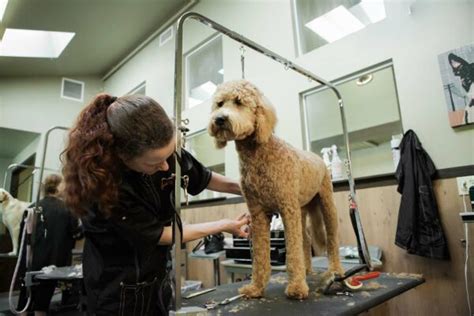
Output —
<point x="166" y="36"/>
<point x="72" y="90"/>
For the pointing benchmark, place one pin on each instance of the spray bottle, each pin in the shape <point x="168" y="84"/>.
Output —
<point x="336" y="164"/>
<point x="326" y="151"/>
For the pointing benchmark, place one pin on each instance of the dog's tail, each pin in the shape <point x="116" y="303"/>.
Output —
<point x="317" y="228"/>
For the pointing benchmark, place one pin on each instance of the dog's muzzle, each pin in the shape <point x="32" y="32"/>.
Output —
<point x="220" y="120"/>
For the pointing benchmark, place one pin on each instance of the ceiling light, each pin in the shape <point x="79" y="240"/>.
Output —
<point x="364" y="79"/>
<point x="3" y="7"/>
<point x="32" y="43"/>
<point x="335" y="24"/>
<point x="374" y="9"/>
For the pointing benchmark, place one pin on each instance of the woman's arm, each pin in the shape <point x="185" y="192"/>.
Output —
<point x="221" y="183"/>
<point x="196" y="231"/>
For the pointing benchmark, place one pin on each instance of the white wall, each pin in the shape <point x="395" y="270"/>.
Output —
<point x="412" y="35"/>
<point x="413" y="41"/>
<point x="34" y="104"/>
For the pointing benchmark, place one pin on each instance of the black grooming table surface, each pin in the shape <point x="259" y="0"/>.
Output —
<point x="373" y="293"/>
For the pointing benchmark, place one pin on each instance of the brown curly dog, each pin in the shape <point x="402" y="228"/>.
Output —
<point x="276" y="177"/>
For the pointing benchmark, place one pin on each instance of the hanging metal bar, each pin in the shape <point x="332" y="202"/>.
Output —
<point x="178" y="100"/>
<point x="12" y="167"/>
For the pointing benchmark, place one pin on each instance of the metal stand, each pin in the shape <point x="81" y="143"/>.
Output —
<point x="178" y="98"/>
<point x="29" y="275"/>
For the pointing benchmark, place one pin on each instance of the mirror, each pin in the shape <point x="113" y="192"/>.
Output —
<point x="372" y="115"/>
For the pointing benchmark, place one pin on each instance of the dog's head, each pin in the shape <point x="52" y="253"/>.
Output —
<point x="240" y="110"/>
<point x="4" y="197"/>
<point x="462" y="69"/>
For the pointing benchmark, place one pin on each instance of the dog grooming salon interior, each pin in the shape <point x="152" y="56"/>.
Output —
<point x="237" y="157"/>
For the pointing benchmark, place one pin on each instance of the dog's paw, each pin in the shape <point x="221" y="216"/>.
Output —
<point x="12" y="253"/>
<point x="337" y="270"/>
<point x="297" y="291"/>
<point x="328" y="276"/>
<point x="251" y="291"/>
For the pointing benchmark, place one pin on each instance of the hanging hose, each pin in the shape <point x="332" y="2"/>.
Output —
<point x="27" y="228"/>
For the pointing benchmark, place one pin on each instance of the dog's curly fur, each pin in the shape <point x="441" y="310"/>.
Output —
<point x="12" y="213"/>
<point x="276" y="177"/>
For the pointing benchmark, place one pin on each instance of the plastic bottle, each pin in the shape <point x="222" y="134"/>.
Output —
<point x="326" y="151"/>
<point x="336" y="164"/>
<point x="395" y="144"/>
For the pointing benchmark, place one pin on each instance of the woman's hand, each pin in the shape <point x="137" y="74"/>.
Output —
<point x="238" y="227"/>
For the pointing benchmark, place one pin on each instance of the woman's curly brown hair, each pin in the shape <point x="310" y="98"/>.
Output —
<point x="108" y="131"/>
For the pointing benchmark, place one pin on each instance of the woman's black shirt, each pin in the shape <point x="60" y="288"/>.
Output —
<point x="125" y="270"/>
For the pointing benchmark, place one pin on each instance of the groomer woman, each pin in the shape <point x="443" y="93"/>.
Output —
<point x="118" y="171"/>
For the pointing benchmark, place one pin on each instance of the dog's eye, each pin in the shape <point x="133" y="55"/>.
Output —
<point x="220" y="104"/>
<point x="237" y="101"/>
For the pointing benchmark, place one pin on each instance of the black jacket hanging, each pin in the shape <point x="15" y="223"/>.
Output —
<point x="419" y="229"/>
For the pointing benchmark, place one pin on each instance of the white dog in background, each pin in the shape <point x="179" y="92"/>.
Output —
<point x="12" y="213"/>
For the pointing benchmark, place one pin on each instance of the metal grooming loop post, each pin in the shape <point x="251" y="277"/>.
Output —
<point x="178" y="97"/>
<point x="17" y="165"/>
<point x="40" y="180"/>
<point x="43" y="159"/>
<point x="29" y="258"/>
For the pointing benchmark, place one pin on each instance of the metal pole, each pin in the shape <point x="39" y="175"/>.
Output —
<point x="178" y="93"/>
<point x="178" y="99"/>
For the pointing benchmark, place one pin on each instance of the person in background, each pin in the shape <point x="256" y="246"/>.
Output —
<point x="55" y="235"/>
<point x="119" y="178"/>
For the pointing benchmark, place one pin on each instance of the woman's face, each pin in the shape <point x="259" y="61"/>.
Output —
<point x="152" y="160"/>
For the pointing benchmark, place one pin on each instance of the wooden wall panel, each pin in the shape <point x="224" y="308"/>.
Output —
<point x="444" y="290"/>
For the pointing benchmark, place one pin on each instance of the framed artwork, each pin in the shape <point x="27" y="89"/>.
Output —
<point x="457" y="74"/>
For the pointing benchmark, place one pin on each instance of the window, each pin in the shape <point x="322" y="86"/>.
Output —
<point x="372" y="115"/>
<point x="204" y="71"/>
<point x="202" y="147"/>
<point x="318" y="23"/>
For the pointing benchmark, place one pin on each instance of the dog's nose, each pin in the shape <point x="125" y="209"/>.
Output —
<point x="220" y="120"/>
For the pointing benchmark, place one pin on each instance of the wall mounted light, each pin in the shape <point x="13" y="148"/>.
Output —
<point x="364" y="79"/>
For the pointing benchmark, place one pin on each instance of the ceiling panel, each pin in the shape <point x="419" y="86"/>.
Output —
<point x="106" y="32"/>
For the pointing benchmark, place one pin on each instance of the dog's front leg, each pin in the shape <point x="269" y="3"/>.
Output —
<point x="295" y="266"/>
<point x="14" y="234"/>
<point x="261" y="254"/>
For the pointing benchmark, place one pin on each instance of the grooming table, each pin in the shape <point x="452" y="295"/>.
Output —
<point x="373" y="293"/>
<point x="61" y="274"/>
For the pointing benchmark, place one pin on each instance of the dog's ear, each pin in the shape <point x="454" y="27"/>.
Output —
<point x="265" y="120"/>
<point x="220" y="143"/>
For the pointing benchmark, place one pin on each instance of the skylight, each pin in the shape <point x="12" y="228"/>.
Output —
<point x="375" y="10"/>
<point x="32" y="43"/>
<point x="335" y="24"/>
